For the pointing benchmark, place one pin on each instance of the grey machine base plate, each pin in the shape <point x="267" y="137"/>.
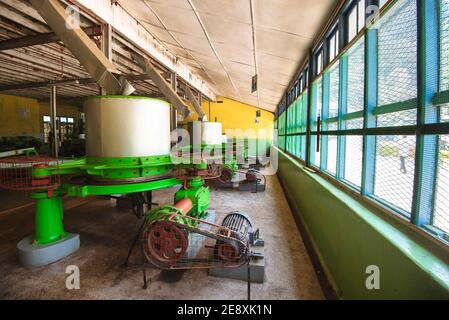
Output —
<point x="31" y="255"/>
<point x="257" y="269"/>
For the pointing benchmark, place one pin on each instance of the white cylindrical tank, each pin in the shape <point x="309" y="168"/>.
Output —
<point x="127" y="127"/>
<point x="211" y="133"/>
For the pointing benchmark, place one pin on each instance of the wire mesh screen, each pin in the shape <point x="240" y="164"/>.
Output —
<point x="290" y="144"/>
<point x="315" y="153"/>
<point x="293" y="145"/>
<point x="395" y="169"/>
<point x="353" y="159"/>
<point x="332" y="143"/>
<point x="334" y="89"/>
<point x="397" y="119"/>
<point x="441" y="213"/>
<point x="302" y="143"/>
<point x="354" y="124"/>
<point x="296" y="145"/>
<point x="281" y="142"/>
<point x="16" y="173"/>
<point x="297" y="116"/>
<point x="332" y="126"/>
<point x="316" y="103"/>
<point x="282" y="123"/>
<point x="398" y="53"/>
<point x="356" y="77"/>
<point x="444" y="113"/>
<point x="303" y="112"/>
<point x="444" y="34"/>
<point x="291" y="118"/>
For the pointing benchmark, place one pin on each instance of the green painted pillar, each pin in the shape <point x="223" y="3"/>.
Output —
<point x="49" y="216"/>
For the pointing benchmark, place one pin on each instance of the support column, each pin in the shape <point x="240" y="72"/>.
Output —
<point x="173" y="112"/>
<point x="106" y="47"/>
<point x="50" y="242"/>
<point x="55" y="147"/>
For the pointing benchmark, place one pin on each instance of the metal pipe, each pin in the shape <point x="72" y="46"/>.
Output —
<point x="53" y="95"/>
<point x="185" y="205"/>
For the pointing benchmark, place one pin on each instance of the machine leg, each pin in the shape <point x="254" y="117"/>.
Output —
<point x="133" y="244"/>
<point x="50" y="242"/>
<point x="249" y="279"/>
<point x="149" y="201"/>
<point x="144" y="270"/>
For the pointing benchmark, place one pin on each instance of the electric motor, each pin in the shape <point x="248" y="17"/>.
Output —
<point x="241" y="225"/>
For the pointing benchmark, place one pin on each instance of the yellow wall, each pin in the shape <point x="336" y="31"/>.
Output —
<point x="236" y="115"/>
<point x="24" y="117"/>
<point x="18" y="116"/>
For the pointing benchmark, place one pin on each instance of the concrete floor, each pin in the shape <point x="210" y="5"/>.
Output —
<point x="106" y="233"/>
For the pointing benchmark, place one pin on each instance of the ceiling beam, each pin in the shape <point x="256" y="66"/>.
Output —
<point x="195" y="104"/>
<point x="128" y="26"/>
<point x="163" y="85"/>
<point x="41" y="39"/>
<point x="85" y="50"/>
<point x="66" y="82"/>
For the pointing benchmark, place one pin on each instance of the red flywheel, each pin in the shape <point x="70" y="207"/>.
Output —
<point x="165" y="243"/>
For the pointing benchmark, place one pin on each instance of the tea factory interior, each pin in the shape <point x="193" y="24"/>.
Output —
<point x="224" y="149"/>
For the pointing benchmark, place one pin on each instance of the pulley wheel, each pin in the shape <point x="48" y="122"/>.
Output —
<point x="165" y="243"/>
<point x="228" y="251"/>
<point x="226" y="176"/>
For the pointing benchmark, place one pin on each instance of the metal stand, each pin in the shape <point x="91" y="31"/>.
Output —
<point x="133" y="244"/>
<point x="144" y="269"/>
<point x="138" y="209"/>
<point x="249" y="279"/>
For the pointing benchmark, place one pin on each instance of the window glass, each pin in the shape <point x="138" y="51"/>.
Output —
<point x="356" y="77"/>
<point x="352" y="24"/>
<point x="333" y="46"/>
<point x="332" y="154"/>
<point x="395" y="170"/>
<point x="444" y="47"/>
<point x="441" y="212"/>
<point x="356" y="19"/>
<point x="334" y="90"/>
<point x="353" y="159"/>
<point x="362" y="15"/>
<point x="397" y="54"/>
<point x="319" y="62"/>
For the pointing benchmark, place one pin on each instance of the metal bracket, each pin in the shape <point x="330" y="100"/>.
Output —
<point x="255" y="240"/>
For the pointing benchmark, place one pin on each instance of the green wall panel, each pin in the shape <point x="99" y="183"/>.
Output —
<point x="349" y="235"/>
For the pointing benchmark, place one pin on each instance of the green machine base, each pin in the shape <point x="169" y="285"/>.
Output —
<point x="50" y="242"/>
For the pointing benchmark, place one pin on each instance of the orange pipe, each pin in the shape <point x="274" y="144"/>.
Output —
<point x="185" y="205"/>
